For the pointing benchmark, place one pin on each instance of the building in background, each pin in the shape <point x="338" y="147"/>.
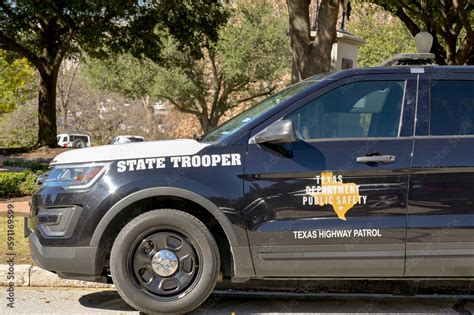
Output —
<point x="345" y="51"/>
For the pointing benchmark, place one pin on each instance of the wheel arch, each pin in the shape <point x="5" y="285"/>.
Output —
<point x="240" y="253"/>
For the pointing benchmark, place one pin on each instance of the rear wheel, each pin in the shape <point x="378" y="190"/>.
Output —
<point x="165" y="261"/>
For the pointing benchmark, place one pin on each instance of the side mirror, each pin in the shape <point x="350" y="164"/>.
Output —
<point x="279" y="132"/>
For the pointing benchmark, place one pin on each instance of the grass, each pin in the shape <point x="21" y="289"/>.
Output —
<point x="21" y="249"/>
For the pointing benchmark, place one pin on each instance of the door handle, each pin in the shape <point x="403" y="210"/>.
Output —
<point x="377" y="159"/>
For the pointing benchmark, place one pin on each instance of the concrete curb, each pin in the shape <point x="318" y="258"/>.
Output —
<point x="20" y="208"/>
<point x="32" y="276"/>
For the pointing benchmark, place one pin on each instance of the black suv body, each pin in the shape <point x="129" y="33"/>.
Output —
<point x="362" y="173"/>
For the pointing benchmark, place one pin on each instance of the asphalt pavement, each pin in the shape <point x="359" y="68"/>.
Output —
<point x="95" y="301"/>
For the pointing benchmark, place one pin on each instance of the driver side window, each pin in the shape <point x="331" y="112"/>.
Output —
<point x="355" y="110"/>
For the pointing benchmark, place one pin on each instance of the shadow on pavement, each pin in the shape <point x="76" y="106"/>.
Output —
<point x="287" y="303"/>
<point x="222" y="302"/>
<point x="104" y="300"/>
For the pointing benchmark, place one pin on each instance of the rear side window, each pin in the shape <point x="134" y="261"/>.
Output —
<point x="452" y="108"/>
<point x="355" y="110"/>
<point x="83" y="138"/>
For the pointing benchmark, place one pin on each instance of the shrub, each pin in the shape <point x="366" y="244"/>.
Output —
<point x="17" y="184"/>
<point x="28" y="186"/>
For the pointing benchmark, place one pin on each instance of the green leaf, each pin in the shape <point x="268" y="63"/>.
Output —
<point x="17" y="80"/>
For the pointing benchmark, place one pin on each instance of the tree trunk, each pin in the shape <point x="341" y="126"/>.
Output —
<point x="451" y="51"/>
<point x="298" y="13"/>
<point x="204" y="121"/>
<point x="470" y="60"/>
<point x="438" y="50"/>
<point x="47" y="107"/>
<point x="311" y="56"/>
<point x="65" y="118"/>
<point x="213" y="122"/>
<point x="207" y="123"/>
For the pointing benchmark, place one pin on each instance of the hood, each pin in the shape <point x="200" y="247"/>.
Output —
<point x="132" y="150"/>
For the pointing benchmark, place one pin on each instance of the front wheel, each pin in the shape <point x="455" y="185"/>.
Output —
<point x="165" y="261"/>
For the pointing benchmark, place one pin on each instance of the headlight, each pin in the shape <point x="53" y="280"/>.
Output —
<point x="75" y="176"/>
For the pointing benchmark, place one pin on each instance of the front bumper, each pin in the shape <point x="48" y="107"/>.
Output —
<point x="80" y="263"/>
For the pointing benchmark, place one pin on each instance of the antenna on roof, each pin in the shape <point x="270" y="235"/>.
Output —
<point x="423" y="42"/>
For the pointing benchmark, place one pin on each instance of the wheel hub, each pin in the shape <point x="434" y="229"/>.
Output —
<point x="165" y="263"/>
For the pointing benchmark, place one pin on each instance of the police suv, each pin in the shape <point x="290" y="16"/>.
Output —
<point x="357" y="174"/>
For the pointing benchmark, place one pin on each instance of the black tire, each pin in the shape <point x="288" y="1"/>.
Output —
<point x="79" y="144"/>
<point x="131" y="282"/>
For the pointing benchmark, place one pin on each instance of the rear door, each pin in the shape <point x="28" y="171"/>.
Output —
<point x="317" y="207"/>
<point x="440" y="239"/>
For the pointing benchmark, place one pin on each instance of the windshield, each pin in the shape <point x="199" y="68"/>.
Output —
<point x="245" y="117"/>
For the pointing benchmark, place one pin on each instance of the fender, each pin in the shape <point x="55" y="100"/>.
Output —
<point x="242" y="260"/>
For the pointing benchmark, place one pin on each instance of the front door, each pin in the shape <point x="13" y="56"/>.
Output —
<point x="333" y="203"/>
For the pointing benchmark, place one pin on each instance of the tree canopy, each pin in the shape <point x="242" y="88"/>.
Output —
<point x="124" y="74"/>
<point x="44" y="32"/>
<point x="251" y="54"/>
<point x="449" y="21"/>
<point x="16" y="82"/>
<point x="384" y="35"/>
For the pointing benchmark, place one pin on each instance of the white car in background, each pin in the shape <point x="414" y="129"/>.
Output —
<point x="70" y="140"/>
<point x="127" y="139"/>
